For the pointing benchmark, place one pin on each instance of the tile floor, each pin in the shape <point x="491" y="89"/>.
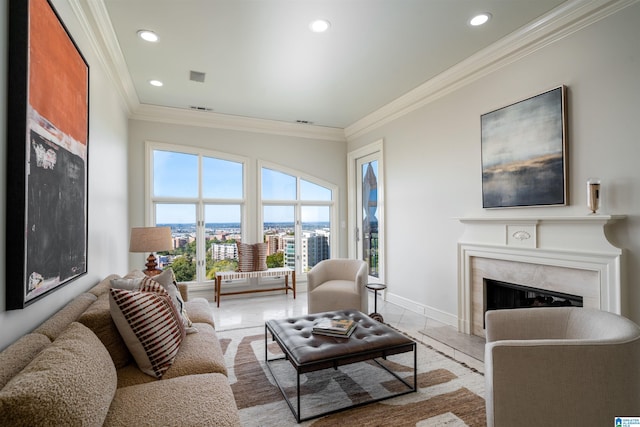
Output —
<point x="254" y="310"/>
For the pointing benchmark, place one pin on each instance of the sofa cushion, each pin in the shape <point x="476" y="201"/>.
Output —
<point x="103" y="287"/>
<point x="191" y="401"/>
<point x="199" y="353"/>
<point x="14" y="358"/>
<point x="149" y="324"/>
<point x="335" y="293"/>
<point x="200" y="311"/>
<point x="184" y="292"/>
<point x="71" y="382"/>
<point x="56" y="324"/>
<point x="98" y="318"/>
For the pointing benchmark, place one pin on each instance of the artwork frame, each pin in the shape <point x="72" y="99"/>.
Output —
<point x="47" y="155"/>
<point x="524" y="153"/>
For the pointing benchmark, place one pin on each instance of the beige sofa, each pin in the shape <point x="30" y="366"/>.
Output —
<point x="560" y="366"/>
<point x="75" y="369"/>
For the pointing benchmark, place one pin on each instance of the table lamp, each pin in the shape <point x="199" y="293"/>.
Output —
<point x="151" y="239"/>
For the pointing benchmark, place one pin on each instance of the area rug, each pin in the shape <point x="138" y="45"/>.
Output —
<point x="449" y="393"/>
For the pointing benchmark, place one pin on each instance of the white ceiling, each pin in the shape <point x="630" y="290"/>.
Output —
<point x="261" y="61"/>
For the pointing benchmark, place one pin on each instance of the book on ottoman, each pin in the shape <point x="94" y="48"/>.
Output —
<point x="342" y="328"/>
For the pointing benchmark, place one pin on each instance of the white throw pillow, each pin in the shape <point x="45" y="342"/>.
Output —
<point x="131" y="281"/>
<point x="128" y="284"/>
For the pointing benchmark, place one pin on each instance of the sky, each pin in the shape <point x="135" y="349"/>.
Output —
<point x="522" y="131"/>
<point x="176" y="175"/>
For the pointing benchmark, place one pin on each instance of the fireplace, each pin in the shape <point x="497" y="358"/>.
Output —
<point x="500" y="295"/>
<point x="560" y="258"/>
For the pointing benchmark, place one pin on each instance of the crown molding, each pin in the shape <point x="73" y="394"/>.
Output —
<point x="95" y="22"/>
<point x="564" y="20"/>
<point x="179" y="116"/>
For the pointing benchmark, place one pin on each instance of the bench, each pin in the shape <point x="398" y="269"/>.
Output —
<point x="271" y="272"/>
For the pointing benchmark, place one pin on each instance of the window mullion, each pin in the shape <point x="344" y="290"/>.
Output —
<point x="299" y="236"/>
<point x="200" y="242"/>
<point x="200" y="228"/>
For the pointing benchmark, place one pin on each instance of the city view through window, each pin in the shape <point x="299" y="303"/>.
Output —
<point x="201" y="198"/>
<point x="221" y="252"/>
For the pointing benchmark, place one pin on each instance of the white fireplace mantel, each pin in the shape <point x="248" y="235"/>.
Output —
<point x="572" y="242"/>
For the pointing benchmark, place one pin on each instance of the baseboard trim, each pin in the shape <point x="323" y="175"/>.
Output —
<point x="425" y="310"/>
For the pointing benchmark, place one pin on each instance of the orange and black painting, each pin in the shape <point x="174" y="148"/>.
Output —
<point x="48" y="153"/>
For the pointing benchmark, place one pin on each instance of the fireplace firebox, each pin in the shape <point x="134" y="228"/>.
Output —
<point x="502" y="295"/>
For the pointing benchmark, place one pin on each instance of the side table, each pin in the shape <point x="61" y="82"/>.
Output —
<point x="375" y="287"/>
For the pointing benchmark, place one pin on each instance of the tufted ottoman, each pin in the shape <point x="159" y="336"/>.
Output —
<point x="308" y="352"/>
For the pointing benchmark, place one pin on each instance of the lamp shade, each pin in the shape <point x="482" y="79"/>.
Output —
<point x="150" y="239"/>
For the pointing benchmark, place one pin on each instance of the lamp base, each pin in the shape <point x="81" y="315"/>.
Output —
<point x="151" y="266"/>
<point x="152" y="273"/>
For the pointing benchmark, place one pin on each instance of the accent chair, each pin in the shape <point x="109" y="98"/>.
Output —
<point x="338" y="284"/>
<point x="560" y="366"/>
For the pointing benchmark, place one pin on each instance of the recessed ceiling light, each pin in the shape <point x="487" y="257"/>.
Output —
<point x="319" y="25"/>
<point x="480" y="19"/>
<point x="156" y="83"/>
<point x="147" y="35"/>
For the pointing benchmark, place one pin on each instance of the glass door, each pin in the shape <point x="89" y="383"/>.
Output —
<point x="368" y="219"/>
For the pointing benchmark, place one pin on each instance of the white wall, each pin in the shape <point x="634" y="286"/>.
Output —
<point x="318" y="158"/>
<point x="432" y="161"/>
<point x="108" y="225"/>
<point x="433" y="170"/>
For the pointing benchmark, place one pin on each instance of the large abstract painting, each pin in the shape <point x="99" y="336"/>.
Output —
<point x="47" y="153"/>
<point x="524" y="153"/>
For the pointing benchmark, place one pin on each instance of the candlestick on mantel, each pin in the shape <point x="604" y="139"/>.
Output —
<point x="593" y="194"/>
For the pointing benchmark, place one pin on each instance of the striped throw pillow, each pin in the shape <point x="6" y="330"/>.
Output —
<point x="167" y="280"/>
<point x="149" y="325"/>
<point x="245" y="257"/>
<point x="259" y="256"/>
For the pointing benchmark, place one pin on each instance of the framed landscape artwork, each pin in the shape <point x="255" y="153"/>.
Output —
<point x="524" y="153"/>
<point x="47" y="154"/>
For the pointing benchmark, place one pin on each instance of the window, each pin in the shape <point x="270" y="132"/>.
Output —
<point x="200" y="195"/>
<point x="203" y="196"/>
<point x="297" y="219"/>
<point x="223" y="228"/>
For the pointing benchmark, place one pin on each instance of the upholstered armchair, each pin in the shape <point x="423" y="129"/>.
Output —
<point x="337" y="284"/>
<point x="560" y="366"/>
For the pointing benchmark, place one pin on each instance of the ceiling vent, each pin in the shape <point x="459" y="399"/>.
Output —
<point x="195" y="107"/>
<point x="196" y="76"/>
<point x="304" y="122"/>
